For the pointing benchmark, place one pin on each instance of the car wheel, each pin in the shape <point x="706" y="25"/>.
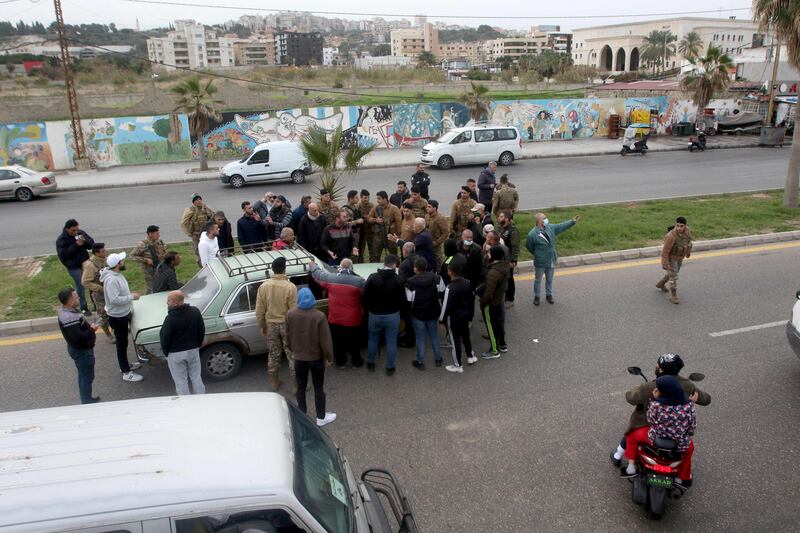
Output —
<point x="298" y="176"/>
<point x="505" y="159"/>
<point x="237" y="182"/>
<point x="24" y="194"/>
<point x="445" y="162"/>
<point x="221" y="361"/>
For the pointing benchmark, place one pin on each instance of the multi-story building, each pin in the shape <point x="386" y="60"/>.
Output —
<point x="259" y="51"/>
<point x="560" y="42"/>
<point x="193" y="46"/>
<point x="459" y="50"/>
<point x="516" y="47"/>
<point x="332" y="58"/>
<point x="292" y="48"/>
<point x="619" y="47"/>
<point x="413" y="41"/>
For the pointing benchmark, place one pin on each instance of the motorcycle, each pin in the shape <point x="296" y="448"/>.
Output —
<point x="697" y="142"/>
<point x="630" y="145"/>
<point x="657" y="467"/>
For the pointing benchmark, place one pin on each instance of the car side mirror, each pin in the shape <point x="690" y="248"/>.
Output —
<point x="634" y="370"/>
<point x="797" y="294"/>
<point x="697" y="376"/>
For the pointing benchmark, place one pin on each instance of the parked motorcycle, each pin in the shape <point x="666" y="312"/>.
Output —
<point x="697" y="142"/>
<point x="657" y="467"/>
<point x="629" y="143"/>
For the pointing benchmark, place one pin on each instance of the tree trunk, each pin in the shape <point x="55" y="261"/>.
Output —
<point x="792" y="184"/>
<point x="201" y="151"/>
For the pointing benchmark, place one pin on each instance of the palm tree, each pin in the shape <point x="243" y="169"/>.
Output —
<point x="475" y="101"/>
<point x="658" y="48"/>
<point x="196" y="99"/>
<point x="326" y="154"/>
<point x="783" y="16"/>
<point x="711" y="75"/>
<point x="690" y="46"/>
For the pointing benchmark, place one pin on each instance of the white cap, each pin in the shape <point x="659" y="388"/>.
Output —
<point x="114" y="259"/>
<point x="487" y="228"/>
<point x="478" y="207"/>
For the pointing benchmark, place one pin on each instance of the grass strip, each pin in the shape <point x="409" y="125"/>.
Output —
<point x="602" y="228"/>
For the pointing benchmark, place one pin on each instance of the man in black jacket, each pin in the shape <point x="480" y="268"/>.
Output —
<point x="338" y="241"/>
<point x="423" y="243"/>
<point x="382" y="298"/>
<point x="182" y="335"/>
<point x="249" y="230"/>
<point x="486" y="185"/>
<point x="72" y="247"/>
<point x="165" y="278"/>
<point x="421" y="180"/>
<point x="473" y="270"/>
<point x="422" y="290"/>
<point x="458" y="308"/>
<point x="80" y="337"/>
<point x="309" y="231"/>
<point x="510" y="235"/>
<point x="402" y="194"/>
<point x="225" y="237"/>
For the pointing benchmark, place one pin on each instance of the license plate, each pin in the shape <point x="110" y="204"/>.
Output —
<point x="659" y="481"/>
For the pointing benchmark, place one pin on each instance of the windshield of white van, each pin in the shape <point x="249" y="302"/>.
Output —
<point x="246" y="156"/>
<point x="200" y="290"/>
<point x="447" y="137"/>
<point x="319" y="481"/>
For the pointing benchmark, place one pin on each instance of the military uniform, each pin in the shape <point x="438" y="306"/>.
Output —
<point x="155" y="252"/>
<point x="439" y="233"/>
<point x="418" y="208"/>
<point x="505" y="198"/>
<point x="677" y="247"/>
<point x="194" y="220"/>
<point x="90" y="279"/>
<point x="365" y="208"/>
<point x="461" y="216"/>
<point x="377" y="236"/>
<point x="354" y="213"/>
<point x="329" y="212"/>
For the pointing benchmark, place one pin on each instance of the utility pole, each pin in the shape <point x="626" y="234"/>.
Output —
<point x="776" y="58"/>
<point x="79" y="155"/>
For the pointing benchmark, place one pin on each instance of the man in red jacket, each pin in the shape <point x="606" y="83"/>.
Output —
<point x="345" y="313"/>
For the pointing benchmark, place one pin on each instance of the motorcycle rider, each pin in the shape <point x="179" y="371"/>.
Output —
<point x="669" y="364"/>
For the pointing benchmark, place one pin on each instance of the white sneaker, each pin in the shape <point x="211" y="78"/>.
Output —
<point x="471" y="360"/>
<point x="132" y="376"/>
<point x="329" y="417"/>
<point x="454" y="368"/>
<point x="136" y="365"/>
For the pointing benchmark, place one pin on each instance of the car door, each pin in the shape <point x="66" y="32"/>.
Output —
<point x="240" y="316"/>
<point x="7" y="185"/>
<point x="463" y="148"/>
<point x="258" y="166"/>
<point x="485" y="143"/>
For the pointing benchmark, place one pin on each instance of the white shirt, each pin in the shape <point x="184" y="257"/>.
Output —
<point x="207" y="249"/>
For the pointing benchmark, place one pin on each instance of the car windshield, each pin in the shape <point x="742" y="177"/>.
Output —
<point x="246" y="156"/>
<point x="319" y="480"/>
<point x="447" y="137"/>
<point x="200" y="290"/>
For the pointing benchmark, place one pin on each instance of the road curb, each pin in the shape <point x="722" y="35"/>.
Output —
<point x="50" y="324"/>
<point x="191" y="179"/>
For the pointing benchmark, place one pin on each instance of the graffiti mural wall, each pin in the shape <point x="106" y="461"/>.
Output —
<point x="546" y="120"/>
<point x="25" y="144"/>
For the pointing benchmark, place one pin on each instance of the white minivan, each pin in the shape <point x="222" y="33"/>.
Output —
<point x="220" y="463"/>
<point x="473" y="144"/>
<point x="276" y="160"/>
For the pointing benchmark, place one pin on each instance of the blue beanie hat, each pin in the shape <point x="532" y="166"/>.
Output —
<point x="672" y="392"/>
<point x="305" y="298"/>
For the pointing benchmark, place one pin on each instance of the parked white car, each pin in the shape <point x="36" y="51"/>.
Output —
<point x="25" y="184"/>
<point x="278" y="160"/>
<point x="793" y="327"/>
<point x="474" y="145"/>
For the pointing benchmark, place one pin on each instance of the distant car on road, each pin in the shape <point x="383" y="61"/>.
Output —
<point x="473" y="145"/>
<point x="278" y="160"/>
<point x="793" y="327"/>
<point x="25" y="184"/>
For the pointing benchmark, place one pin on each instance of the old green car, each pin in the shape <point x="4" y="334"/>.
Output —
<point x="225" y="292"/>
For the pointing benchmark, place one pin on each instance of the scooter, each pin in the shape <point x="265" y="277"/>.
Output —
<point x="629" y="145"/>
<point x="697" y="142"/>
<point x="657" y="467"/>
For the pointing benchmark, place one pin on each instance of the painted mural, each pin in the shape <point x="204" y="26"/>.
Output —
<point x="417" y="124"/>
<point x="25" y="144"/>
<point x="546" y="120"/>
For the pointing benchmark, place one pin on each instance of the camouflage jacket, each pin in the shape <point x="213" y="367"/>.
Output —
<point x="439" y="230"/>
<point x="461" y="216"/>
<point x="91" y="273"/>
<point x="329" y="212"/>
<point x="142" y="252"/>
<point x="391" y="219"/>
<point x="195" y="218"/>
<point x="418" y="208"/>
<point x="505" y="197"/>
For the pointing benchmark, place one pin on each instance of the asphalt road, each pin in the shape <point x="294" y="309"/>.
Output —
<point x="119" y="216"/>
<point x="521" y="443"/>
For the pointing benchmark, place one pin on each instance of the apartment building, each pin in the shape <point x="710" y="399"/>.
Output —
<point x="191" y="45"/>
<point x="515" y="47"/>
<point x="413" y="41"/>
<point x="293" y="48"/>
<point x="458" y="50"/>
<point x="260" y="51"/>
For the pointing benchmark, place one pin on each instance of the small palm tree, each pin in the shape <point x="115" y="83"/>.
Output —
<point x="476" y="101"/>
<point x="658" y="48"/>
<point x="690" y="46"/>
<point x="326" y="154"/>
<point x="783" y="16"/>
<point x="196" y="99"/>
<point x="711" y="76"/>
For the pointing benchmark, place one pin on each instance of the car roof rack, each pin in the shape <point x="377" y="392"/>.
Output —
<point x="259" y="258"/>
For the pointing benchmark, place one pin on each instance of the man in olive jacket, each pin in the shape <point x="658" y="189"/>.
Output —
<point x="541" y="243"/>
<point x="677" y="247"/>
<point x="491" y="294"/>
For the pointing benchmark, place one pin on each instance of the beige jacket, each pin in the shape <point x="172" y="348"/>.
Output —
<point x="91" y="273"/>
<point x="275" y="297"/>
<point x="194" y="219"/>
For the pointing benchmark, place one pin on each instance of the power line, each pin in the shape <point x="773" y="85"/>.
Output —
<point x="496" y="17"/>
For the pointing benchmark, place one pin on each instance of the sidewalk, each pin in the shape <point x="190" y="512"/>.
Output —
<point x="186" y="171"/>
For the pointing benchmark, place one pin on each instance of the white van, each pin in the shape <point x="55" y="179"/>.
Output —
<point x="473" y="144"/>
<point x="267" y="162"/>
<point x="186" y="464"/>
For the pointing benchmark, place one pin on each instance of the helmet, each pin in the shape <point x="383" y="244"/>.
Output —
<point x="670" y="363"/>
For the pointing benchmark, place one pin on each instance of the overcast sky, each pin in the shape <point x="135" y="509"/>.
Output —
<point x="567" y="13"/>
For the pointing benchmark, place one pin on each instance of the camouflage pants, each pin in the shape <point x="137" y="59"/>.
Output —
<point x="672" y="273"/>
<point x="149" y="273"/>
<point x="196" y="242"/>
<point x="99" y="301"/>
<point x="377" y="243"/>
<point x="276" y="344"/>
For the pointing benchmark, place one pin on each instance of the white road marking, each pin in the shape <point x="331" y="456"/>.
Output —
<point x="748" y="328"/>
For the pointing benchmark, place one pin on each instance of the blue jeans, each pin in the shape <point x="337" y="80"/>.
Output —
<point x="84" y="362"/>
<point x="76" y="274"/>
<point x="548" y="273"/>
<point x="388" y="326"/>
<point x="427" y="328"/>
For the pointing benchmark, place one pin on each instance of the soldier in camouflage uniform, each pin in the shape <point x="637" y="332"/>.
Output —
<point x="439" y="229"/>
<point x="505" y="197"/>
<point x="194" y="220"/>
<point x="419" y="206"/>
<point x="91" y="280"/>
<point x="149" y="253"/>
<point x="384" y="218"/>
<point x="461" y="212"/>
<point x="677" y="247"/>
<point x="355" y="217"/>
<point x="365" y="206"/>
<point x="327" y="207"/>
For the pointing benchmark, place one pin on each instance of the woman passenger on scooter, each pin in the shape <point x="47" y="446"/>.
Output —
<point x="671" y="415"/>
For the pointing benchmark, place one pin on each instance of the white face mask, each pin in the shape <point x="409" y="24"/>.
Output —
<point x="468" y="243"/>
<point x="546" y="222"/>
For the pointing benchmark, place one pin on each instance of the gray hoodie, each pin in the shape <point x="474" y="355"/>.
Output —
<point x="119" y="300"/>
